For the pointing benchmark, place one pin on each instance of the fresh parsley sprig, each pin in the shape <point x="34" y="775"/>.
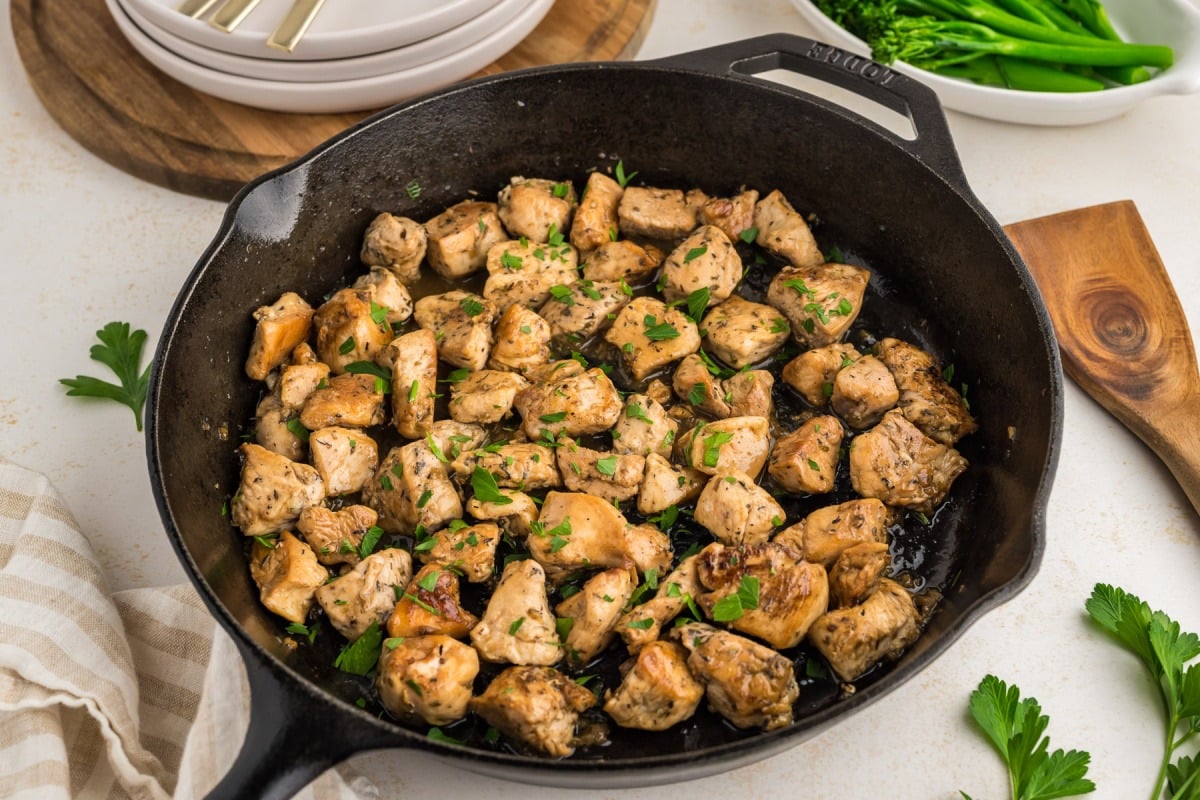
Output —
<point x="121" y="351"/>
<point x="1165" y="650"/>
<point x="1016" y="727"/>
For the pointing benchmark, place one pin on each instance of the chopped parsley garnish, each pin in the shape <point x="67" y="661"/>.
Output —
<point x="607" y="465"/>
<point x="749" y="235"/>
<point x="560" y="190"/>
<point x="307" y="631"/>
<point x="472" y="306"/>
<point x="413" y="189"/>
<point x="360" y="656"/>
<point x="557" y="416"/>
<point x="510" y="261"/>
<point x="697" y="302"/>
<point x="424" y="499"/>
<point x="732" y="607"/>
<point x="622" y="178"/>
<point x="516" y="626"/>
<point x="347" y="346"/>
<point x="297" y="429"/>
<point x="712" y="447"/>
<point x="562" y="294"/>
<point x="378" y="313"/>
<point x="368" y="368"/>
<point x="369" y="540"/>
<point x="412" y="391"/>
<point x="695" y="253"/>
<point x="634" y="411"/>
<point x="483" y="484"/>
<point x="800" y="286"/>
<point x="697" y="394"/>
<point x="659" y="331"/>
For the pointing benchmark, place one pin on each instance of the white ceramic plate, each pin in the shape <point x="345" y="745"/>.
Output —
<point x="1171" y="22"/>
<point x="341" y="69"/>
<point x="343" y="28"/>
<point x="334" y="96"/>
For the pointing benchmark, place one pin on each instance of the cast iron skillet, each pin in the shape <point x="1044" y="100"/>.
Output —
<point x="943" y="269"/>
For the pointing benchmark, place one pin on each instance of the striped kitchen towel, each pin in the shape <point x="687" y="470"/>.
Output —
<point x="105" y="694"/>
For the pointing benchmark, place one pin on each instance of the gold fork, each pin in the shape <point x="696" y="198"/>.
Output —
<point x="294" y="24"/>
<point x="227" y="16"/>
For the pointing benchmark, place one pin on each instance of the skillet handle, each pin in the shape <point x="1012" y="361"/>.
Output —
<point x="858" y="74"/>
<point x="293" y="736"/>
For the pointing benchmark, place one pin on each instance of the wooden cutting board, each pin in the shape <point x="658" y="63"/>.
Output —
<point x="123" y="109"/>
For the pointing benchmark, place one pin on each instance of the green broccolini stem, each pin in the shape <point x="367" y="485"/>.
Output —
<point x="1092" y="15"/>
<point x="1017" y="73"/>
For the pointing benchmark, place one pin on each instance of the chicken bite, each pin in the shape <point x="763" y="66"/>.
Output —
<point x="349" y="400"/>
<point x="278" y="328"/>
<point x="611" y="476"/>
<point x="596" y="217"/>
<point x="396" y="244"/>
<point x="820" y="302"/>
<point x="287" y="574"/>
<point x="734" y="443"/>
<point x="857" y="572"/>
<point x="536" y="208"/>
<point x="622" y="260"/>
<point x="579" y="531"/>
<point x="273" y="491"/>
<point x="827" y="532"/>
<point x="733" y="215"/>
<point x="578" y="311"/>
<point x="414" y="382"/>
<point x="518" y="626"/>
<point x="805" y="460"/>
<point x="855" y="639"/>
<point x="523" y="272"/>
<point x="485" y="397"/>
<point x="643" y="428"/>
<point x="297" y="382"/>
<point x="431" y="604"/>
<point x="462" y="323"/>
<point x="526" y="466"/>
<point x="427" y="679"/>
<point x="651" y="213"/>
<point x="411" y="490"/>
<point x="783" y="231"/>
<point x="747" y="683"/>
<point x="642" y="624"/>
<point x="515" y="515"/>
<point x="812" y="372"/>
<point x="349" y="328"/>
<point x="657" y="689"/>
<point x="926" y="398"/>
<point x="365" y="595"/>
<point x="572" y="405"/>
<point x="468" y="549"/>
<point x="736" y="510"/>
<point x="665" y="485"/>
<point x="863" y="392"/>
<point x="535" y="706"/>
<point x="345" y="458"/>
<point x="460" y="237"/>
<point x="898" y="464"/>
<point x="272" y="431"/>
<point x="388" y="293"/>
<point x="705" y="260"/>
<point x="650" y="335"/>
<point x="743" y="394"/>
<point x="336" y="536"/>
<point x="594" y="611"/>
<point x="522" y="340"/>
<point x="742" y="333"/>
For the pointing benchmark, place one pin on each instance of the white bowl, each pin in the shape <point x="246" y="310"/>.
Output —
<point x="334" y="96"/>
<point x="343" y="28"/>
<point x="1170" y="22"/>
<point x="341" y="69"/>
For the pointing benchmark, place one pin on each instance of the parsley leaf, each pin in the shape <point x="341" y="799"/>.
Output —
<point x="471" y="306"/>
<point x="622" y="178"/>
<point x="607" y="465"/>
<point x="360" y="656"/>
<point x="483" y="483"/>
<point x="697" y="302"/>
<point x="1016" y="727"/>
<point x="732" y="606"/>
<point x="121" y="352"/>
<point x="659" y="331"/>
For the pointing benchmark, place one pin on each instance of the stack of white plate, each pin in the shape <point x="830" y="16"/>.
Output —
<point x="357" y="54"/>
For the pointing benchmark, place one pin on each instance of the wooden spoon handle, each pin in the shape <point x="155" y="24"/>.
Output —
<point x="1120" y="327"/>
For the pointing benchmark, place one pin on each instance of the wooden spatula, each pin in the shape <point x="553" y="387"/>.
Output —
<point x="1120" y="328"/>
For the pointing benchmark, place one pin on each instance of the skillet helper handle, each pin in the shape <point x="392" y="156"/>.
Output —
<point x="855" y="73"/>
<point x="293" y="737"/>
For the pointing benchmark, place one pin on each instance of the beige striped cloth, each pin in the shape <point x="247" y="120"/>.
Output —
<point x="110" y="694"/>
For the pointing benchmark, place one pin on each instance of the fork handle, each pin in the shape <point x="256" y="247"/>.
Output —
<point x="294" y="25"/>
<point x="231" y="13"/>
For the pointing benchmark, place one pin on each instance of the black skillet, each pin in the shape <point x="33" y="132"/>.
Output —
<point x="945" y="273"/>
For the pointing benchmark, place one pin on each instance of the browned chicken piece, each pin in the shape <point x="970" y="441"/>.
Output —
<point x="736" y="510"/>
<point x="271" y="429"/>
<point x="805" y="460"/>
<point x="901" y="466"/>
<point x="555" y="370"/>
<point x="657" y="689"/>
<point x="469" y="549"/>
<point x="427" y="679"/>
<point x="336" y="536"/>
<point x="462" y="322"/>
<point x="642" y="624"/>
<point x="273" y="491"/>
<point x="734" y="443"/>
<point x="665" y="485"/>
<point x="783" y="231"/>
<point x="349" y="400"/>
<point x="569" y="406"/>
<point x="485" y="397"/>
<point x="610" y="476"/>
<point x="518" y="626"/>
<point x="578" y="531"/>
<point x="648" y="548"/>
<point x="658" y="391"/>
<point x="525" y="466"/>
<point x="287" y="573"/>
<point x="515" y="517"/>
<point x="732" y="215"/>
<point x="643" y="428"/>
<point x="742" y="333"/>
<point x="766" y="590"/>
<point x="298" y="381"/>
<point x="414" y="382"/>
<point x="856" y="573"/>
<point x="594" y="611"/>
<point x="537" y="707"/>
<point x="412" y="490"/>
<point x="389" y="293"/>
<point x="745" y="682"/>
<point x="396" y="243"/>
<point x="460" y="237"/>
<point x="706" y="259"/>
<point x="278" y="328"/>
<point x="522" y="340"/>
<point x="596" y="217"/>
<point x="350" y="328"/>
<point x="743" y="394"/>
<point x="431" y="605"/>
<point x="651" y="335"/>
<point x="450" y="439"/>
<point x="926" y="398"/>
<point x="580" y="310"/>
<point x="523" y="272"/>
<point x="863" y="392"/>
<point x="536" y="208"/>
<point x="346" y="458"/>
<point x="855" y="639"/>
<point x="812" y="372"/>
<point x="650" y="213"/>
<point x="365" y="595"/>
<point x="827" y="532"/>
<point x="821" y="302"/>
<point x="622" y="260"/>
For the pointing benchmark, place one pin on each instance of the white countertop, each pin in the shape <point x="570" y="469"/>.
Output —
<point x="82" y="243"/>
